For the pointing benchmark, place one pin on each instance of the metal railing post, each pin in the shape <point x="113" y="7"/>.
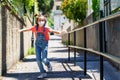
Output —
<point x="68" y="47"/>
<point x="32" y="37"/>
<point x="101" y="50"/>
<point x="101" y="68"/>
<point x="74" y="48"/>
<point x="101" y="45"/>
<point x="85" y="53"/>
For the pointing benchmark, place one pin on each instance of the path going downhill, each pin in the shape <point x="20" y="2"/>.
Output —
<point x="62" y="69"/>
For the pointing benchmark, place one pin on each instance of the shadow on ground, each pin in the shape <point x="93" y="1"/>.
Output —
<point x="57" y="51"/>
<point x="29" y="60"/>
<point x="51" y="75"/>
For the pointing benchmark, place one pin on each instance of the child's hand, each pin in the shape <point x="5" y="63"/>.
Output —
<point x="19" y="30"/>
<point x="64" y="32"/>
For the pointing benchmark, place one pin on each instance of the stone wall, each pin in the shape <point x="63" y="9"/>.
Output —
<point x="27" y="37"/>
<point x="113" y="36"/>
<point x="14" y="44"/>
<point x="79" y="38"/>
<point x="92" y="34"/>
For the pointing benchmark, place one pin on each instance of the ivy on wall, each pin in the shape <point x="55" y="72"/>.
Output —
<point x="96" y="8"/>
<point x="20" y="6"/>
<point x="23" y="6"/>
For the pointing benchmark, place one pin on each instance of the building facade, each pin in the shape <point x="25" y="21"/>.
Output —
<point x="59" y="18"/>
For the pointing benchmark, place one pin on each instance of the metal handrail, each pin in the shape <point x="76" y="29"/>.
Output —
<point x="101" y="54"/>
<point x="96" y="22"/>
<point x="109" y="56"/>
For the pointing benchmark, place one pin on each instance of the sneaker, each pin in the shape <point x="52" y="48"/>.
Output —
<point x="42" y="75"/>
<point x="49" y="68"/>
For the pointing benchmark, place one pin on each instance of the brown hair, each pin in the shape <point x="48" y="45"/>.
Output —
<point x="37" y="16"/>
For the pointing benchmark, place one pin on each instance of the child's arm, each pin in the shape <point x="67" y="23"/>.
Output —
<point x="24" y="30"/>
<point x="55" y="31"/>
<point x="58" y="32"/>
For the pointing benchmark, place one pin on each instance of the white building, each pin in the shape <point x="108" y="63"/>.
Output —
<point x="89" y="11"/>
<point x="115" y="4"/>
<point x="59" y="18"/>
<point x="110" y="4"/>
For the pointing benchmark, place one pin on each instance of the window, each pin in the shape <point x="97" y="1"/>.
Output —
<point x="107" y="7"/>
<point x="57" y="7"/>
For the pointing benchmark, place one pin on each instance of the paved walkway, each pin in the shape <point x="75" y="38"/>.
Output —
<point x="62" y="70"/>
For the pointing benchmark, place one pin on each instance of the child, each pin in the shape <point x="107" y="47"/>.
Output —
<point x="41" y="43"/>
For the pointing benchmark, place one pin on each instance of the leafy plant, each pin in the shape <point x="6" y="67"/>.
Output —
<point x="17" y="6"/>
<point x="116" y="10"/>
<point x="31" y="51"/>
<point x="22" y="5"/>
<point x="96" y="7"/>
<point x="66" y="42"/>
<point x="45" y="6"/>
<point x="75" y="9"/>
<point x="50" y="22"/>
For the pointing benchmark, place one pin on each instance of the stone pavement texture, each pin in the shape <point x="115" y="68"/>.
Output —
<point x="62" y="69"/>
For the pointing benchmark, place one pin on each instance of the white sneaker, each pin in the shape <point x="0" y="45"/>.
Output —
<point x="49" y="68"/>
<point x="42" y="75"/>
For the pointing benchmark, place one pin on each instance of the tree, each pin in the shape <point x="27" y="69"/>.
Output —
<point x="45" y="6"/>
<point x="75" y="9"/>
<point x="20" y="3"/>
<point x="22" y="6"/>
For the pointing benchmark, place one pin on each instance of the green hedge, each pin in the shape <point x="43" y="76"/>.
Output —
<point x="31" y="51"/>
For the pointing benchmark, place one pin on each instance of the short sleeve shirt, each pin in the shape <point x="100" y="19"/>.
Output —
<point x="41" y="30"/>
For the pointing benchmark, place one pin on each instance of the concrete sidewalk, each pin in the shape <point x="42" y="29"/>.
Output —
<point x="62" y="70"/>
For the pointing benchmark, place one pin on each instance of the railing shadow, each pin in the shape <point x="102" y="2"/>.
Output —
<point x="24" y="76"/>
<point x="66" y="74"/>
<point x="29" y="60"/>
<point x="79" y="58"/>
<point x="57" y="51"/>
<point x="51" y="75"/>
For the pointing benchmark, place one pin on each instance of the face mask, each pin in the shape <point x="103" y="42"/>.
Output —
<point x="41" y="23"/>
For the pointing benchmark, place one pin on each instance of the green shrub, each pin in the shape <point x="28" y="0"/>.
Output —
<point x="75" y="9"/>
<point x="115" y="10"/>
<point x="31" y="51"/>
<point x="66" y="42"/>
<point x="96" y="8"/>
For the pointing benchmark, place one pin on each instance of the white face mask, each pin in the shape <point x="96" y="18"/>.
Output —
<point x="41" y="23"/>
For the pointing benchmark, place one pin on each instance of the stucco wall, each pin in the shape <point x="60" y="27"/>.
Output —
<point x="79" y="38"/>
<point x="113" y="38"/>
<point x="93" y="37"/>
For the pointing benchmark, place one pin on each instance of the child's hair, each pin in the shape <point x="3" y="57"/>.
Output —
<point x="37" y="18"/>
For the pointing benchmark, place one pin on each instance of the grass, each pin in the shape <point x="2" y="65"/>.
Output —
<point x="31" y="51"/>
<point x="66" y="42"/>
